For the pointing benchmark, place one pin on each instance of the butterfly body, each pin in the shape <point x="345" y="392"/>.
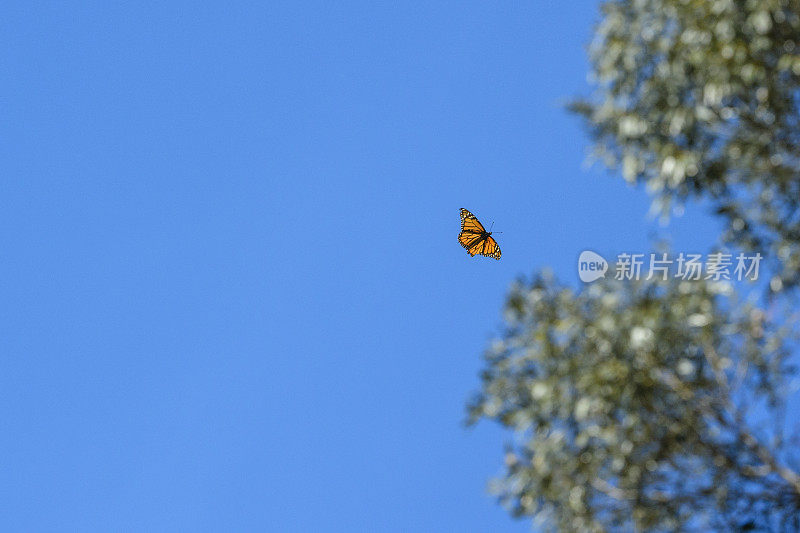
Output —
<point x="474" y="237"/>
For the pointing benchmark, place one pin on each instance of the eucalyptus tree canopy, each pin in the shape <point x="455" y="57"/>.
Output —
<point x="658" y="405"/>
<point x="629" y="402"/>
<point x="702" y="98"/>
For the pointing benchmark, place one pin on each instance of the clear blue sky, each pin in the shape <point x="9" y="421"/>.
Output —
<point x="232" y="296"/>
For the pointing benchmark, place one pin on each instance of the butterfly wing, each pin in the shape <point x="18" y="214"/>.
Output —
<point x="470" y="223"/>
<point x="490" y="248"/>
<point x="472" y="231"/>
<point x="471" y="242"/>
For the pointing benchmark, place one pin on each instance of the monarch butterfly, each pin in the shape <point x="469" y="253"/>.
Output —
<point x="475" y="238"/>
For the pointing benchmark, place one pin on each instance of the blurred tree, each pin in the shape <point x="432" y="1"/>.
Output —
<point x="702" y="97"/>
<point x="630" y="405"/>
<point x="658" y="405"/>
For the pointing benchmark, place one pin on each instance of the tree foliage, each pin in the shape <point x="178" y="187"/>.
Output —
<point x="630" y="404"/>
<point x="657" y="405"/>
<point x="700" y="98"/>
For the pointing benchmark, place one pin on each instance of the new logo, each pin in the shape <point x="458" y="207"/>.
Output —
<point x="591" y="266"/>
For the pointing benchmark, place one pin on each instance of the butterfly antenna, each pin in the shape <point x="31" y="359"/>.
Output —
<point x="490" y="227"/>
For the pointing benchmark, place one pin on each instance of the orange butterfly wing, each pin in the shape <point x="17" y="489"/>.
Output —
<point x="472" y="231"/>
<point x="470" y="223"/>
<point x="490" y="248"/>
<point x="474" y="239"/>
<point x="471" y="242"/>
